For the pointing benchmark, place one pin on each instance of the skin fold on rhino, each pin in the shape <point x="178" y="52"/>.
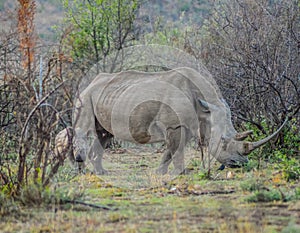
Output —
<point x="171" y="107"/>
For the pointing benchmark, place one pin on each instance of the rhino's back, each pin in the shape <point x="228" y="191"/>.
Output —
<point x="133" y="82"/>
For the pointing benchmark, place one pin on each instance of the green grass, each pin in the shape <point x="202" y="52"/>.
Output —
<point x="249" y="201"/>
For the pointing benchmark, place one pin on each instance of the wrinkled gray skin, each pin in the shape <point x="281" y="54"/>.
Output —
<point x="168" y="107"/>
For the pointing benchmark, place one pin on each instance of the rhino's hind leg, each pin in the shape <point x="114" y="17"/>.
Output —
<point x="165" y="162"/>
<point x="178" y="140"/>
<point x="175" y="141"/>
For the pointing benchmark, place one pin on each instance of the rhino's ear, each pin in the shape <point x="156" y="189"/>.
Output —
<point x="204" y="106"/>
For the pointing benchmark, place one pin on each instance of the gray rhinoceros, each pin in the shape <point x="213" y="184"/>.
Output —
<point x="147" y="107"/>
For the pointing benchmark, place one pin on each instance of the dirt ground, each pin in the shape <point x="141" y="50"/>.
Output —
<point x="132" y="198"/>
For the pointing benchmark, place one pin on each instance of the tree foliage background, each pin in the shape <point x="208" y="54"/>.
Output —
<point x="98" y="27"/>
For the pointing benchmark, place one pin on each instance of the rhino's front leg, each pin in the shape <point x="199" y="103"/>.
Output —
<point x="95" y="155"/>
<point x="88" y="149"/>
<point x="87" y="145"/>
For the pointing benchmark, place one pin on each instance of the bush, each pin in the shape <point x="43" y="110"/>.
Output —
<point x="251" y="185"/>
<point x="290" y="166"/>
<point x="8" y="206"/>
<point x="269" y="195"/>
<point x="265" y="196"/>
<point x="284" y="152"/>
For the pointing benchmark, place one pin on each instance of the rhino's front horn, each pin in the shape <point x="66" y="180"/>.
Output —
<point x="250" y="146"/>
<point x="241" y="136"/>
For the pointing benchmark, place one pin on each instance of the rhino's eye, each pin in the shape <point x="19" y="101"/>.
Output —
<point x="224" y="139"/>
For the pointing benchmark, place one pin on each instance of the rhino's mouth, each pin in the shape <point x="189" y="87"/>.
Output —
<point x="78" y="159"/>
<point x="234" y="165"/>
<point x="237" y="163"/>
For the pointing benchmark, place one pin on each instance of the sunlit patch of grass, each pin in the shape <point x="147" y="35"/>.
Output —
<point x="245" y="227"/>
<point x="117" y="217"/>
<point x="90" y="180"/>
<point x="105" y="192"/>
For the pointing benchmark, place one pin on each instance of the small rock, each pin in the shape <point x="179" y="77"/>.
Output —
<point x="229" y="175"/>
<point x="197" y="187"/>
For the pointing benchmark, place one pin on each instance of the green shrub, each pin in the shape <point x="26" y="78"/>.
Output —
<point x="8" y="206"/>
<point x="265" y="196"/>
<point x="251" y="185"/>
<point x="252" y="164"/>
<point x="204" y="174"/>
<point x="36" y="195"/>
<point x="286" y="153"/>
<point x="271" y="194"/>
<point x="290" y="166"/>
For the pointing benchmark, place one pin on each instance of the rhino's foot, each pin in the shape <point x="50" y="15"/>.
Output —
<point x="177" y="172"/>
<point x="101" y="172"/>
<point x="161" y="170"/>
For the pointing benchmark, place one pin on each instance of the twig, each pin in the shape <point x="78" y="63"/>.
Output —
<point x="22" y="156"/>
<point x="87" y="204"/>
<point x="215" y="192"/>
<point x="35" y="108"/>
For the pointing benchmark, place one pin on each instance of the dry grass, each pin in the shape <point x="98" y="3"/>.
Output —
<point x="145" y="202"/>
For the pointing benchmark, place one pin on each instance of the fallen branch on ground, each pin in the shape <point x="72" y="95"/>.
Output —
<point x="86" y="204"/>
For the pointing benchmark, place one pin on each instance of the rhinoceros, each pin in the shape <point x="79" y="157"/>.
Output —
<point x="147" y="107"/>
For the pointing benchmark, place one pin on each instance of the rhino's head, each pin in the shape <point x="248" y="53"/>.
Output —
<point x="225" y="144"/>
<point x="233" y="151"/>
